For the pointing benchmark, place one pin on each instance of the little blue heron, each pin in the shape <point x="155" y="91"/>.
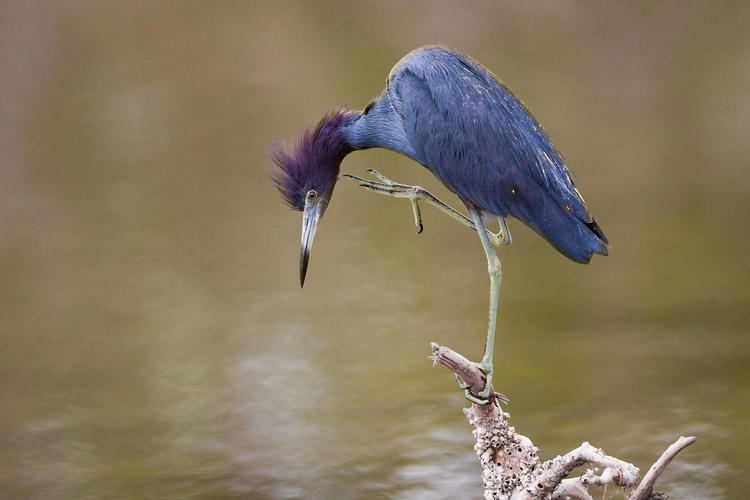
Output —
<point x="453" y="116"/>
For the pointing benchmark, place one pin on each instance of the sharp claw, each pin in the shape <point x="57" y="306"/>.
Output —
<point x="354" y="178"/>
<point x="380" y="176"/>
<point x="479" y="401"/>
<point x="421" y="228"/>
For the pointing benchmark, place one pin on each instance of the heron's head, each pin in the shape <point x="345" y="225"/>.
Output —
<point x="306" y="175"/>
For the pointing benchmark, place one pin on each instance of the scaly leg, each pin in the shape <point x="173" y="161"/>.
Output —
<point x="488" y="239"/>
<point x="415" y="194"/>
<point x="495" y="271"/>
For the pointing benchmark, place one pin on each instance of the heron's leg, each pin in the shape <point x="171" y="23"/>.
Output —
<point x="495" y="271"/>
<point x="416" y="194"/>
<point x="488" y="239"/>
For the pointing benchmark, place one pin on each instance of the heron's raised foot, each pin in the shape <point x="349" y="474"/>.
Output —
<point x="415" y="194"/>
<point x="397" y="190"/>
<point x="385" y="180"/>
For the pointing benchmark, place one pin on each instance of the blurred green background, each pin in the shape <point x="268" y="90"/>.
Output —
<point x="154" y="339"/>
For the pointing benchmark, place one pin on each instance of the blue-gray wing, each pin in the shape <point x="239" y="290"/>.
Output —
<point x="471" y="132"/>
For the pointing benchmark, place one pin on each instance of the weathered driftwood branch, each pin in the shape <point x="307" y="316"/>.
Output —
<point x="511" y="467"/>
<point x="468" y="372"/>
<point x="576" y="488"/>
<point x="552" y="473"/>
<point x="646" y="487"/>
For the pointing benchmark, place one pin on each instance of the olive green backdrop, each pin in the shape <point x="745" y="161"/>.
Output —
<point x="154" y="341"/>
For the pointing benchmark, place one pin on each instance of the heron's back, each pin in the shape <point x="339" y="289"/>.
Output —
<point x="456" y="118"/>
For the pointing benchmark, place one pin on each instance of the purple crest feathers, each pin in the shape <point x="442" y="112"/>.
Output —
<point x="314" y="162"/>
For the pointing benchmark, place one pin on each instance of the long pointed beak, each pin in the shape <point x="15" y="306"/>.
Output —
<point x="310" y="218"/>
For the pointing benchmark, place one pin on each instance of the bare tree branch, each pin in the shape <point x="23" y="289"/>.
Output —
<point x="571" y="489"/>
<point x="510" y="464"/>
<point x="551" y="473"/>
<point x="467" y="371"/>
<point x="575" y="488"/>
<point x="646" y="487"/>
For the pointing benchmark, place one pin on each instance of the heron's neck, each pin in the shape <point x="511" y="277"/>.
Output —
<point x="379" y="128"/>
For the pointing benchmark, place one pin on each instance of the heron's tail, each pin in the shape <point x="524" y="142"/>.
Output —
<point x="559" y="224"/>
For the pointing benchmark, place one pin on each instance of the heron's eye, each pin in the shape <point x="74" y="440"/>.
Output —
<point x="312" y="194"/>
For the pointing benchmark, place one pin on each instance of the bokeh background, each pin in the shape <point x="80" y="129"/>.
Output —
<point x="154" y="341"/>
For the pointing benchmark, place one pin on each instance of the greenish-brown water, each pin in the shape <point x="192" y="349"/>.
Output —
<point x="154" y="340"/>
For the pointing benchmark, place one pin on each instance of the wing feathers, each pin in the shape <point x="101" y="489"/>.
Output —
<point x="469" y="130"/>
